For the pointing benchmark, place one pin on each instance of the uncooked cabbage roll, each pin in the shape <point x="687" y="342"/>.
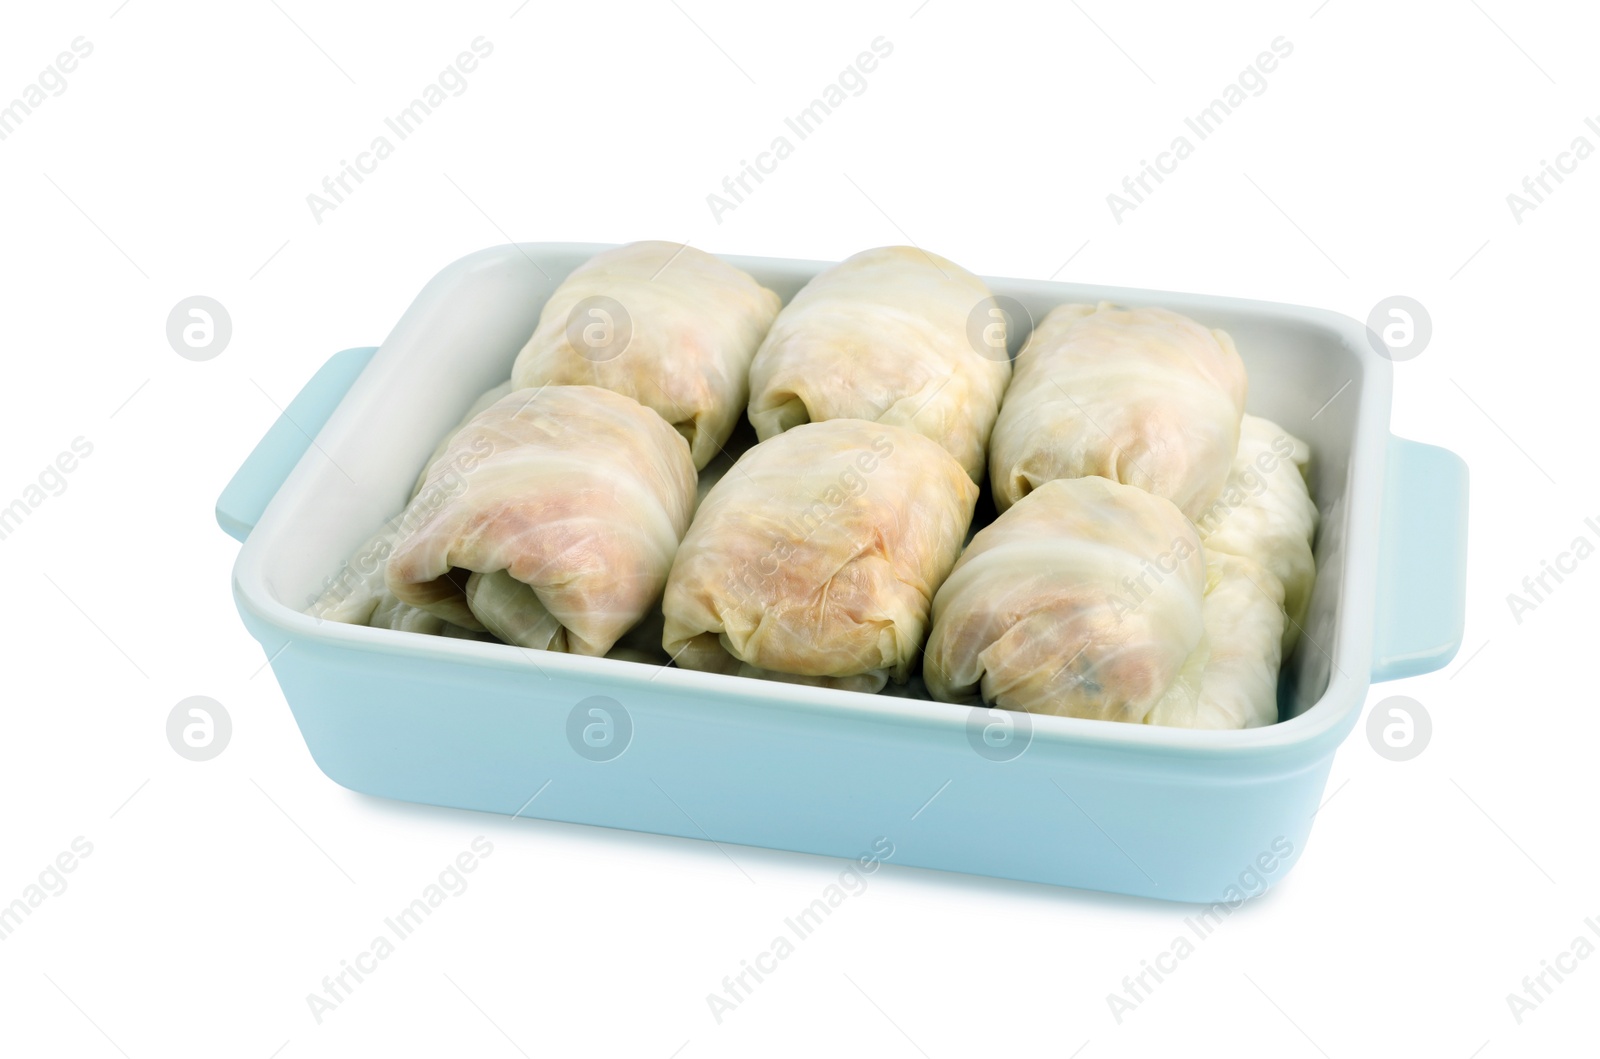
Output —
<point x="1259" y="574"/>
<point x="488" y="398"/>
<point x="358" y="595"/>
<point x="1266" y="514"/>
<point x="580" y="494"/>
<point x="1231" y="678"/>
<point x="355" y="592"/>
<point x="642" y="643"/>
<point x="1145" y="397"/>
<point x="393" y="614"/>
<point x="668" y="325"/>
<point x="816" y="556"/>
<point x="886" y="336"/>
<point x="1083" y="599"/>
<point x="512" y="611"/>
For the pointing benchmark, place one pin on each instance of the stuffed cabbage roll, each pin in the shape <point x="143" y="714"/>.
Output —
<point x="1083" y="599"/>
<point x="579" y="494"/>
<point x="484" y="401"/>
<point x="1145" y="397"/>
<point x="885" y="336"/>
<point x="358" y="595"/>
<point x="1231" y="679"/>
<point x="1265" y="513"/>
<point x="816" y="557"/>
<point x="393" y="614"/>
<point x="1260" y="571"/>
<point x="668" y="325"/>
<point x="512" y="611"/>
<point x="355" y="592"/>
<point x="642" y="643"/>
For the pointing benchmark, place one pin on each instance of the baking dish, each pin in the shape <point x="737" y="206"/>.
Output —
<point x="1166" y="813"/>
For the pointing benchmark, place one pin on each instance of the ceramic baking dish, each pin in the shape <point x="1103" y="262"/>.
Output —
<point x="1166" y="813"/>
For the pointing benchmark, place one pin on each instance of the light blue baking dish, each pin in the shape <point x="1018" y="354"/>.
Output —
<point x="1165" y="813"/>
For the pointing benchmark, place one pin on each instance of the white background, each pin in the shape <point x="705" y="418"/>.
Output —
<point x="219" y="894"/>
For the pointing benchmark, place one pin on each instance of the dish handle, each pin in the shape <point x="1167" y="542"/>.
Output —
<point x="258" y="479"/>
<point x="1422" y="561"/>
